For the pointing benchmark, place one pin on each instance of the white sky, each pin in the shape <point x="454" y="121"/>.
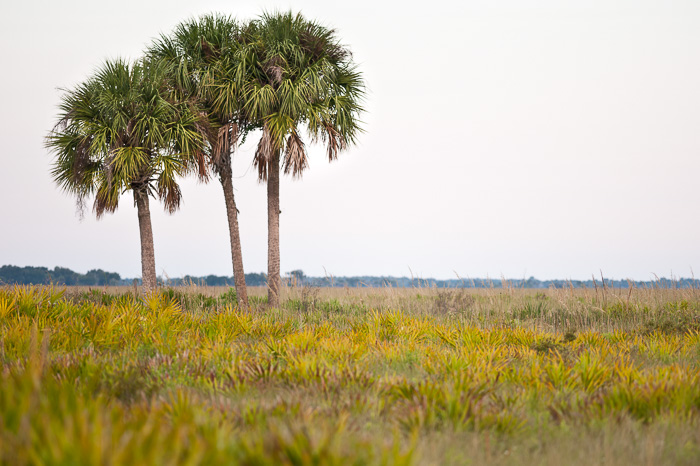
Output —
<point x="551" y="138"/>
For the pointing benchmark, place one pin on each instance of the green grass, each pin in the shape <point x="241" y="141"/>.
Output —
<point x="387" y="376"/>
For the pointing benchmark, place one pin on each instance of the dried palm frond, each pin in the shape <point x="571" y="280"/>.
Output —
<point x="81" y="160"/>
<point x="335" y="141"/>
<point x="207" y="50"/>
<point x="264" y="153"/>
<point x="171" y="195"/>
<point x="274" y="70"/>
<point x="226" y="141"/>
<point x="319" y="42"/>
<point x="200" y="161"/>
<point x="295" y="159"/>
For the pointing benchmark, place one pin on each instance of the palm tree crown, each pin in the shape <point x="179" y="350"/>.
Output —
<point x="301" y="76"/>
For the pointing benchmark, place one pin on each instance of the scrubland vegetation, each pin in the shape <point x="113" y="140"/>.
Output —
<point x="354" y="376"/>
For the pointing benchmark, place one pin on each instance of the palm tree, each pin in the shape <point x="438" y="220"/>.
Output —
<point x="297" y="75"/>
<point x="201" y="54"/>
<point x="121" y="131"/>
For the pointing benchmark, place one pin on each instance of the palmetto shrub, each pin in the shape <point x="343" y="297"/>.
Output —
<point x="188" y="377"/>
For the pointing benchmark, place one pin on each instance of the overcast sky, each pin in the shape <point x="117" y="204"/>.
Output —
<point x="519" y="138"/>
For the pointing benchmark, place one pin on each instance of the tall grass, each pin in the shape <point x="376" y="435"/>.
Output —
<point x="417" y="376"/>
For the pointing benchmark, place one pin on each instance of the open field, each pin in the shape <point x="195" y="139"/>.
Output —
<point x="350" y="376"/>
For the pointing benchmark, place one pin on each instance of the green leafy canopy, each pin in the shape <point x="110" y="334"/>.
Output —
<point x="124" y="129"/>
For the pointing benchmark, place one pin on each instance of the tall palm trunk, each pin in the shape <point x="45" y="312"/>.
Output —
<point x="236" y="253"/>
<point x="148" y="257"/>
<point x="273" y="231"/>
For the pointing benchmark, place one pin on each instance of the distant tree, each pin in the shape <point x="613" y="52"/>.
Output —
<point x="297" y="277"/>
<point x="256" y="279"/>
<point x="63" y="276"/>
<point x="12" y="274"/>
<point x="215" y="280"/>
<point x="59" y="275"/>
<point x="122" y="130"/>
<point x="295" y="75"/>
<point x="99" y="277"/>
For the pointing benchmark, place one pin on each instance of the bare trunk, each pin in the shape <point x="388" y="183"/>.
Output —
<point x="148" y="258"/>
<point x="236" y="253"/>
<point x="273" y="232"/>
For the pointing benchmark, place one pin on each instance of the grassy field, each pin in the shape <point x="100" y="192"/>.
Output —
<point x="350" y="376"/>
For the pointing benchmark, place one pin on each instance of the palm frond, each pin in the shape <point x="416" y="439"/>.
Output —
<point x="295" y="158"/>
<point x="264" y="153"/>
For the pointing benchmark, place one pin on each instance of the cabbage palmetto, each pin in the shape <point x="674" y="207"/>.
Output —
<point x="281" y="74"/>
<point x="195" y="53"/>
<point x="294" y="75"/>
<point x="122" y="130"/>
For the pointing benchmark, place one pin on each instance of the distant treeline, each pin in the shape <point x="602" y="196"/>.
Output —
<point x="299" y="278"/>
<point x="10" y="274"/>
<point x="13" y="275"/>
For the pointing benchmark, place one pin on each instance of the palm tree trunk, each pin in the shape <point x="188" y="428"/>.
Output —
<point x="148" y="257"/>
<point x="273" y="231"/>
<point x="236" y="253"/>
